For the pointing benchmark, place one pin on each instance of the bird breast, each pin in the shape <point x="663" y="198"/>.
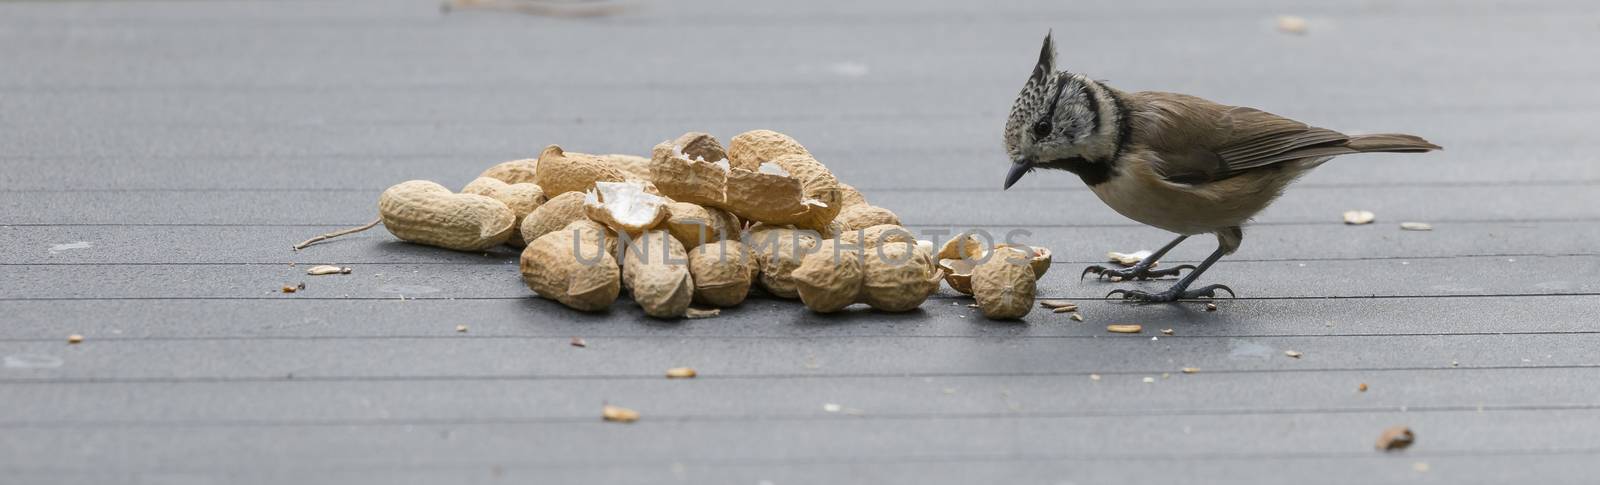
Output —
<point x="1139" y="193"/>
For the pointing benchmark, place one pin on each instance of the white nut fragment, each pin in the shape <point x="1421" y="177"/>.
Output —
<point x="1416" y="226"/>
<point x="625" y="207"/>
<point x="1359" y="217"/>
<point x="326" y="270"/>
<point x="1128" y="259"/>
<point x="1290" y="24"/>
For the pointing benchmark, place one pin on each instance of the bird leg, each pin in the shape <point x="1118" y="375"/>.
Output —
<point x="1142" y="270"/>
<point x="1180" y="291"/>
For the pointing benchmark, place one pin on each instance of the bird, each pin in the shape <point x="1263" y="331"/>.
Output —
<point x="1172" y="161"/>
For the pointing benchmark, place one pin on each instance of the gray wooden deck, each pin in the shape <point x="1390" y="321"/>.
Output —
<point x="157" y="159"/>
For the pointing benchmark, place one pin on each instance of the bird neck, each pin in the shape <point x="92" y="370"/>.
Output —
<point x="1105" y="147"/>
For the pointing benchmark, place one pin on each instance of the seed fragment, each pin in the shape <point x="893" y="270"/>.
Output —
<point x="1124" y="328"/>
<point x="578" y="342"/>
<point x="1056" y="304"/>
<point x="326" y="270"/>
<point x="1166" y="331"/>
<point x="1416" y="226"/>
<point x="1190" y="370"/>
<point x="292" y="289"/>
<point x="1066" y="309"/>
<point x="680" y="373"/>
<point x="1396" y="438"/>
<point x="618" y="414"/>
<point x="693" y="313"/>
<point x="1211" y="307"/>
<point x="1128" y="259"/>
<point x="74" y="338"/>
<point x="1355" y="218"/>
<point x="461" y="328"/>
<point x="1094" y="377"/>
<point x="1290" y="24"/>
<point x="1292" y="354"/>
<point x="1149" y="380"/>
<point x="1077" y="317"/>
<point x="1362" y="387"/>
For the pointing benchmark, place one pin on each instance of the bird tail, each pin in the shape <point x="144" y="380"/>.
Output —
<point x="1390" y="142"/>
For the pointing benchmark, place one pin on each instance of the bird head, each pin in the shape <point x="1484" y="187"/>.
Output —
<point x="1058" y="117"/>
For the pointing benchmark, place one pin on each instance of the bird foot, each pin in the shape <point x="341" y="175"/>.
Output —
<point x="1171" y="295"/>
<point x="1134" y="273"/>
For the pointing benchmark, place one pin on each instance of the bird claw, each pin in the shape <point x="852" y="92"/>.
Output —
<point x="1171" y="295"/>
<point x="1134" y="273"/>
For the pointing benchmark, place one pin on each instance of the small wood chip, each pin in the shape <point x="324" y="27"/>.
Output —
<point x="461" y="328"/>
<point x="1166" y="331"/>
<point x="618" y="414"/>
<point x="1290" y="24"/>
<point x="1292" y="354"/>
<point x="1124" y="328"/>
<point x="1396" y="438"/>
<point x="1416" y="226"/>
<point x="1190" y="370"/>
<point x="578" y="342"/>
<point x="1355" y="218"/>
<point x="1211" y="307"/>
<point x="680" y="373"/>
<point x="702" y="313"/>
<point x="326" y="270"/>
<point x="1362" y="387"/>
<point x="1077" y="317"/>
<point x="1128" y="259"/>
<point x="1056" y="304"/>
<point x="74" y="338"/>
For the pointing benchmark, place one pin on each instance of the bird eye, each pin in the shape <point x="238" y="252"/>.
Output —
<point x="1041" y="128"/>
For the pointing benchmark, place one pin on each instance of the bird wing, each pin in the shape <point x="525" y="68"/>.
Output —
<point x="1198" y="141"/>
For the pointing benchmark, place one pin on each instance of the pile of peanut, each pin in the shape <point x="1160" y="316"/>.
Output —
<point x="699" y="224"/>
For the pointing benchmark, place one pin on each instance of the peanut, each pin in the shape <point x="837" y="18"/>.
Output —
<point x="634" y="168"/>
<point x="899" y="277"/>
<point x="694" y="225"/>
<point x="656" y="270"/>
<point x="1004" y="285"/>
<point x="554" y="214"/>
<point x="625" y="207"/>
<point x="424" y="212"/>
<point x="750" y="149"/>
<point x="573" y="269"/>
<point x="514" y="172"/>
<point x="862" y="216"/>
<point x="561" y="172"/>
<point x="790" y="188"/>
<point x="875" y="236"/>
<point x="850" y="197"/>
<point x="830" y="280"/>
<point x="779" y="251"/>
<point x="723" y="272"/>
<point x="522" y="198"/>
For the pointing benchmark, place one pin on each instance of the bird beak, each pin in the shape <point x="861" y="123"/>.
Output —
<point x="1018" y="169"/>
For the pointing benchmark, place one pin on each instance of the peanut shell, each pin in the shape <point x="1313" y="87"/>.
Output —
<point x="561" y="171"/>
<point x="523" y="171"/>
<point x="656" y="269"/>
<point x="554" y="214"/>
<point x="829" y="282"/>
<point x="1004" y="285"/>
<point x="625" y="207"/>
<point x="862" y="216"/>
<point x="723" y="272"/>
<point x="900" y="276"/>
<point x="565" y="267"/>
<point x="779" y="251"/>
<point x="522" y="198"/>
<point x="694" y="225"/>
<point x="750" y="149"/>
<point x="424" y="212"/>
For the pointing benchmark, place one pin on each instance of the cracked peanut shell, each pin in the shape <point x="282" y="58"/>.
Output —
<point x="577" y="271"/>
<point x="522" y="198"/>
